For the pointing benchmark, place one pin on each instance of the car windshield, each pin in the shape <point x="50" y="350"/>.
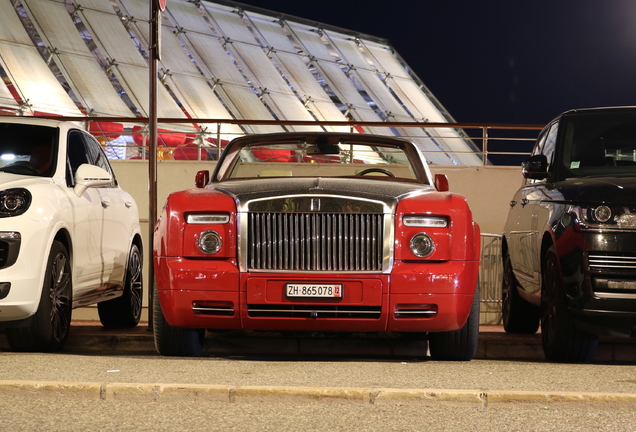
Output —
<point x="599" y="144"/>
<point x="27" y="149"/>
<point x="327" y="159"/>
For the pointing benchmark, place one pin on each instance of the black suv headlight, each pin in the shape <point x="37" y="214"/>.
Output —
<point x="604" y="216"/>
<point x="14" y="202"/>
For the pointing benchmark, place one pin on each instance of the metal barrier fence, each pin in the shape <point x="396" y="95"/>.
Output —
<point x="490" y="277"/>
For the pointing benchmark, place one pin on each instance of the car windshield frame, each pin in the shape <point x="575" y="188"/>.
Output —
<point x="28" y="149"/>
<point x="321" y="155"/>
<point x="599" y="143"/>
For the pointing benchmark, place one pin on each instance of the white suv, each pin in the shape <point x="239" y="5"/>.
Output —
<point x="69" y="235"/>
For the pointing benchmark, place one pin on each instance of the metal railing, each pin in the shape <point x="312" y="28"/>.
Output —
<point x="203" y="139"/>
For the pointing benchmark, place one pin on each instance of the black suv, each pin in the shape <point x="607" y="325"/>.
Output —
<point x="569" y="244"/>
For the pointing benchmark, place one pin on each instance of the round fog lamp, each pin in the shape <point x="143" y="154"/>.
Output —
<point x="210" y="242"/>
<point x="422" y="245"/>
<point x="602" y="213"/>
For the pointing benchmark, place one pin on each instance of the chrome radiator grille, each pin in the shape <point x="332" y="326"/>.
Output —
<point x="315" y="241"/>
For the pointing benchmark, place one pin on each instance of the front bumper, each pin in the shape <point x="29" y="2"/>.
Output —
<point x="600" y="282"/>
<point x="21" y="272"/>
<point x="415" y="297"/>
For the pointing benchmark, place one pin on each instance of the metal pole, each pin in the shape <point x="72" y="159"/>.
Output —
<point x="484" y="146"/>
<point x="218" y="140"/>
<point x="155" y="26"/>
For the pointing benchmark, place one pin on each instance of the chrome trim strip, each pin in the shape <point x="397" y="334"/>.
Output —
<point x="327" y="311"/>
<point x="415" y="312"/>
<point x="602" y="230"/>
<point x="306" y="199"/>
<point x="613" y="257"/>
<point x="606" y="295"/>
<point x="212" y="309"/>
<point x="611" y="262"/>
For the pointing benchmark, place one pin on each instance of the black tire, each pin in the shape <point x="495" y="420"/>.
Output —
<point x="125" y="311"/>
<point x="49" y="328"/>
<point x="174" y="341"/>
<point x="518" y="315"/>
<point x="460" y="345"/>
<point x="562" y="340"/>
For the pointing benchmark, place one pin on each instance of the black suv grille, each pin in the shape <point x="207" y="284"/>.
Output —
<point x="612" y="262"/>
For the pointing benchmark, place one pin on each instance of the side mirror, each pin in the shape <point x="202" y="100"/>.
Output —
<point x="441" y="182"/>
<point x="202" y="178"/>
<point x="88" y="176"/>
<point x="536" y="167"/>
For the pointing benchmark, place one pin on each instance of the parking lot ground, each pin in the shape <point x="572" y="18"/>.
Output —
<point x="494" y="344"/>
<point x="122" y="365"/>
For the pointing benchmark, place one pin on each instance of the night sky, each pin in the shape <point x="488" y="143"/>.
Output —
<point x="500" y="61"/>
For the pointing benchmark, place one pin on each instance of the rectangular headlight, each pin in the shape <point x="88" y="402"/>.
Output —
<point x="207" y="219"/>
<point x="425" y="221"/>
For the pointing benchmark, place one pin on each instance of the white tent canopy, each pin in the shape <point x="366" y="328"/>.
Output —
<point x="219" y="60"/>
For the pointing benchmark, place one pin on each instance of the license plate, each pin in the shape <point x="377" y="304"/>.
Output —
<point x="314" y="290"/>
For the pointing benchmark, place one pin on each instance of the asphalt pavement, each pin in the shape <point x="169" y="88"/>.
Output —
<point x="268" y="367"/>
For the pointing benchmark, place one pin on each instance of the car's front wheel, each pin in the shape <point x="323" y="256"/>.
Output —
<point x="174" y="341"/>
<point x="49" y="328"/>
<point x="518" y="315"/>
<point x="562" y="340"/>
<point x="460" y="345"/>
<point x="125" y="311"/>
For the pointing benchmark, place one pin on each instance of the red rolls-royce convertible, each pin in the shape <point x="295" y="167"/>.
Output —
<point x="317" y="232"/>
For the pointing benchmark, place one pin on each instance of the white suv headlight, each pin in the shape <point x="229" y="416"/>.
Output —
<point x="14" y="202"/>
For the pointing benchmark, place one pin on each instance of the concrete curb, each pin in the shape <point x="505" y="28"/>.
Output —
<point x="138" y="392"/>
